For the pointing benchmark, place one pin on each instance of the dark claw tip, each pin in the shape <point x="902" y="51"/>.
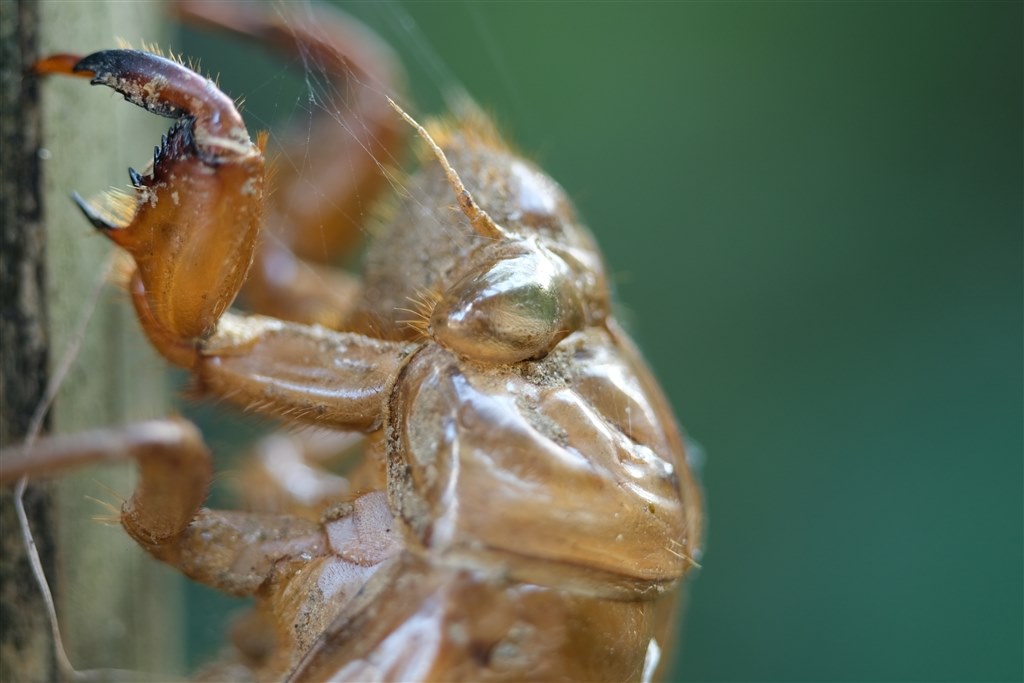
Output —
<point x="108" y="63"/>
<point x="129" y="71"/>
<point x="135" y="177"/>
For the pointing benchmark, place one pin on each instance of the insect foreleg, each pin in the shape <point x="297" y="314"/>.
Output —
<point x="192" y="222"/>
<point x="306" y="374"/>
<point x="191" y="232"/>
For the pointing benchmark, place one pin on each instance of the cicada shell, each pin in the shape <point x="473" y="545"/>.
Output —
<point x="548" y="508"/>
<point x="523" y="509"/>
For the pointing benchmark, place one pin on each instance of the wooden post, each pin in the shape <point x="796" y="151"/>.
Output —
<point x="117" y="607"/>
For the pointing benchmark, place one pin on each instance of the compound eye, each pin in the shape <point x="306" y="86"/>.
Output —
<point x="516" y="309"/>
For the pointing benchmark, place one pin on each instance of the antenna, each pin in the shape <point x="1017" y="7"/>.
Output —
<point x="482" y="223"/>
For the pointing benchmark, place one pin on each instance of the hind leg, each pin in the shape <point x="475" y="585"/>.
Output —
<point x="163" y="514"/>
<point x="301" y="572"/>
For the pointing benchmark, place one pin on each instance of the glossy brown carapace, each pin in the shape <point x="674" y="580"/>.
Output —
<point x="523" y="508"/>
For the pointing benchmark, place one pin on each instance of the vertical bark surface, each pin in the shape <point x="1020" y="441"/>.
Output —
<point x="116" y="606"/>
<point x="25" y="650"/>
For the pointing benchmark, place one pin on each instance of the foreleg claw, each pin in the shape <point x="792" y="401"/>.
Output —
<point x="192" y="223"/>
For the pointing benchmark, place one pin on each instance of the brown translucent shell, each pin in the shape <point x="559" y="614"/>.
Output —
<point x="548" y="514"/>
<point x="560" y="467"/>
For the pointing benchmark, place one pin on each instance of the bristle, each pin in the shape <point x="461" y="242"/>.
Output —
<point x="481" y="129"/>
<point x="423" y="304"/>
<point x="115" y="207"/>
<point x="122" y="270"/>
<point x="152" y="48"/>
<point x="681" y="554"/>
<point x="121" y="205"/>
<point x="271" y="165"/>
<point x="107" y="520"/>
<point x="469" y="126"/>
<point x="442" y="130"/>
<point x="109" y="507"/>
<point x="117" y="496"/>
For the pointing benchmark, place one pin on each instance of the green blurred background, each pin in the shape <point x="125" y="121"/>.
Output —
<point x="813" y="215"/>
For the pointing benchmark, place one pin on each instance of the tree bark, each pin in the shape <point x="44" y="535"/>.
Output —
<point x="25" y="650"/>
<point x="118" y="609"/>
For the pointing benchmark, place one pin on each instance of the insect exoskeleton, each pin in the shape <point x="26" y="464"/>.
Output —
<point x="523" y="508"/>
